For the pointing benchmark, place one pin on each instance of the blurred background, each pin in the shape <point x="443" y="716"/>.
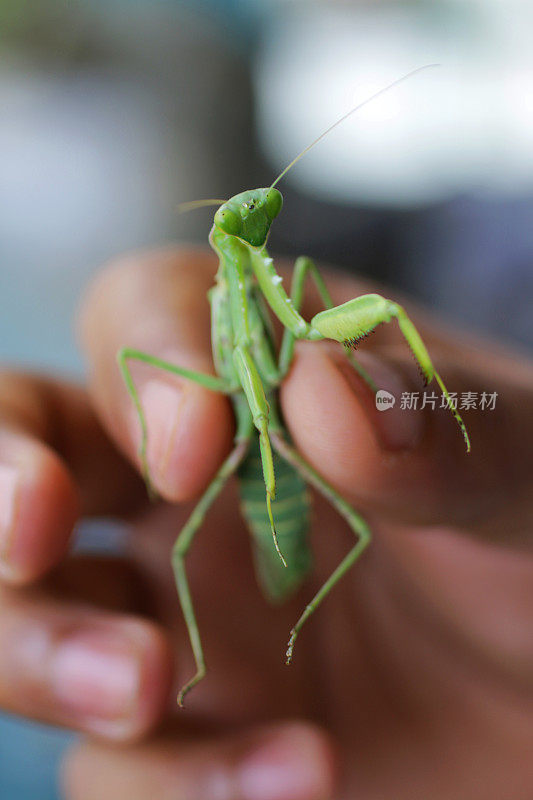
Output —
<point x="114" y="112"/>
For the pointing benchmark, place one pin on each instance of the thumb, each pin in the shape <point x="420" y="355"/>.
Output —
<point x="410" y="464"/>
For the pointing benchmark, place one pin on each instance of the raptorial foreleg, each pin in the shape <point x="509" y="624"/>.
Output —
<point x="352" y="321"/>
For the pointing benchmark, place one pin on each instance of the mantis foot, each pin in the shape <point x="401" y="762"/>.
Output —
<point x="190" y="685"/>
<point x="290" y="646"/>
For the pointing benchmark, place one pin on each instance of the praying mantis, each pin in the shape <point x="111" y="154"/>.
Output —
<point x="272" y="475"/>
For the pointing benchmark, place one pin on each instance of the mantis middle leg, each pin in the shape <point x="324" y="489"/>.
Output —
<point x="303" y="268"/>
<point x="128" y="354"/>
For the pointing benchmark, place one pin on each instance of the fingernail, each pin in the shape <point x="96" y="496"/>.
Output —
<point x="96" y="676"/>
<point x="9" y="486"/>
<point x="397" y="426"/>
<point x="284" y="767"/>
<point x="162" y="403"/>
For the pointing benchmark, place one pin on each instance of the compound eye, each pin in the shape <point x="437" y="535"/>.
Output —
<point x="228" y="221"/>
<point x="273" y="203"/>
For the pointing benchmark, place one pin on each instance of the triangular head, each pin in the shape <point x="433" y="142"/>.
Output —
<point x="249" y="215"/>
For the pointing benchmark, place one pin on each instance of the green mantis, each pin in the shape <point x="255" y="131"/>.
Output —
<point x="272" y="474"/>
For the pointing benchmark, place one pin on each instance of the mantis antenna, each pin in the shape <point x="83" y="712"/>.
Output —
<point x="348" y="114"/>
<point x="190" y="205"/>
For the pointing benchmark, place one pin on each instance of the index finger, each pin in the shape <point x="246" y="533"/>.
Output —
<point x="156" y="303"/>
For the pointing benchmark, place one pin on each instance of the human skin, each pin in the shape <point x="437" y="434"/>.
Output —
<point x="415" y="677"/>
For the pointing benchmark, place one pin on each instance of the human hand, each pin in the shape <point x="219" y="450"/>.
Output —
<point x="417" y="670"/>
<point x="68" y="655"/>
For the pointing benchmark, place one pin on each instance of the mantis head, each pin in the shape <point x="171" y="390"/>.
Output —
<point x="249" y="215"/>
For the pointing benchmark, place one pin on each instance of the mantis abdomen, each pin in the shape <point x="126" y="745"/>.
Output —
<point x="291" y="509"/>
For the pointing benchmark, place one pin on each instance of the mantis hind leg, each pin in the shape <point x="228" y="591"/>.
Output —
<point x="305" y="267"/>
<point x="356" y="522"/>
<point x="127" y="354"/>
<point x="180" y="550"/>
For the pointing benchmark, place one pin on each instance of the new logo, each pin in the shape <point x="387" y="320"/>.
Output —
<point x="384" y="400"/>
